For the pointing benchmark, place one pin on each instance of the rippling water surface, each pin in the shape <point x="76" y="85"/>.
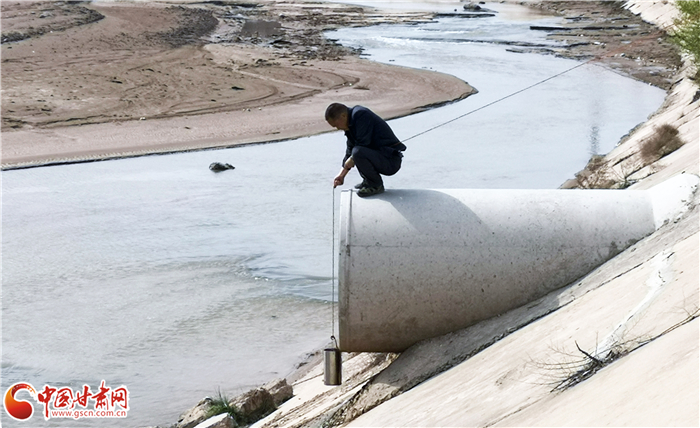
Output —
<point x="157" y="274"/>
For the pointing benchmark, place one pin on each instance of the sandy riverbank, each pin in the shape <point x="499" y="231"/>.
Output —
<point x="104" y="80"/>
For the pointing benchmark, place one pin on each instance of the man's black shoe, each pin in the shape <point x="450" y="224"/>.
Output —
<point x="361" y="185"/>
<point x="369" y="191"/>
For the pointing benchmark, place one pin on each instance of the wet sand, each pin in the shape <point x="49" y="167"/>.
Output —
<point x="106" y="80"/>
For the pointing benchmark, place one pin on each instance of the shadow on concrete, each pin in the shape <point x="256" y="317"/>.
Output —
<point x="436" y="210"/>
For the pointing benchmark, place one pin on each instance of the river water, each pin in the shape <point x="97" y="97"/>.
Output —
<point x="159" y="275"/>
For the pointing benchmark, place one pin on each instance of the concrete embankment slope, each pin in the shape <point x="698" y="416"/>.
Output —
<point x="619" y="347"/>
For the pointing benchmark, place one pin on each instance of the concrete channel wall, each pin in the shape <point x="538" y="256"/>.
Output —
<point x="416" y="264"/>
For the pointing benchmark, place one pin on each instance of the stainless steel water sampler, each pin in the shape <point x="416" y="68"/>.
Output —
<point x="333" y="365"/>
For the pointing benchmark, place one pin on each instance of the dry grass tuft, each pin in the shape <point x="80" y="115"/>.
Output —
<point x="588" y="366"/>
<point x="582" y="368"/>
<point x="663" y="142"/>
<point x="593" y="176"/>
<point x="600" y="174"/>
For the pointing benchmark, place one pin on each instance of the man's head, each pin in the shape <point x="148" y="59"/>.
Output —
<point x="337" y="116"/>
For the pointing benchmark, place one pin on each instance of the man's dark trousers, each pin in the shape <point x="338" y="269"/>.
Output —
<point x="371" y="163"/>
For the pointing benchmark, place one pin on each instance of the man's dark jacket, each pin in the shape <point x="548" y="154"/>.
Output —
<point x="369" y="130"/>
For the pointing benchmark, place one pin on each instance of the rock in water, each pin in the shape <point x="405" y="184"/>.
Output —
<point x="472" y="7"/>
<point x="218" y="166"/>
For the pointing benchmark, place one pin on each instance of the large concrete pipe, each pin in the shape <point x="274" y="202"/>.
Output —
<point x="416" y="264"/>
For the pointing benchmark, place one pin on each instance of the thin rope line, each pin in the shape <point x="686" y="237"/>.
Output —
<point x="333" y="271"/>
<point x="500" y="99"/>
<point x="595" y="58"/>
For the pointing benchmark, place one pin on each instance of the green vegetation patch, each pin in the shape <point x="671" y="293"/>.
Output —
<point x="687" y="31"/>
<point x="222" y="404"/>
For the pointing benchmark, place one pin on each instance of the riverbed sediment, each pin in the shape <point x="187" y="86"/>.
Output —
<point x="161" y="77"/>
<point x="184" y="75"/>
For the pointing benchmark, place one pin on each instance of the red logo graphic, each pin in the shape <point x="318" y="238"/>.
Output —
<point x="66" y="403"/>
<point x="19" y="409"/>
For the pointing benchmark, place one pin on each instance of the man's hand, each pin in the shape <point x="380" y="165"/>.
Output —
<point x="340" y="179"/>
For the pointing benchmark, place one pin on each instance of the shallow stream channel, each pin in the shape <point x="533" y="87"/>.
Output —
<point x="157" y="274"/>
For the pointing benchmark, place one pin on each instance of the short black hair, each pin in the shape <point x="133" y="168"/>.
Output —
<point x="335" y="110"/>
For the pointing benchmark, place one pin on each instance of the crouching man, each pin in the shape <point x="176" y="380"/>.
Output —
<point x="371" y="146"/>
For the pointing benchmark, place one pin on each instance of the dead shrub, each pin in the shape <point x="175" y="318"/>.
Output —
<point x="594" y="175"/>
<point x="580" y="369"/>
<point x="665" y="140"/>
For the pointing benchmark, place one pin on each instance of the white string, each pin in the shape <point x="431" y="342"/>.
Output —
<point x="333" y="272"/>
<point x="595" y="58"/>
<point x="499" y="100"/>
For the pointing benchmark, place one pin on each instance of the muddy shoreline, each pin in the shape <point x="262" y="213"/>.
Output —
<point x="178" y="76"/>
<point x="611" y="35"/>
<point x="153" y="78"/>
